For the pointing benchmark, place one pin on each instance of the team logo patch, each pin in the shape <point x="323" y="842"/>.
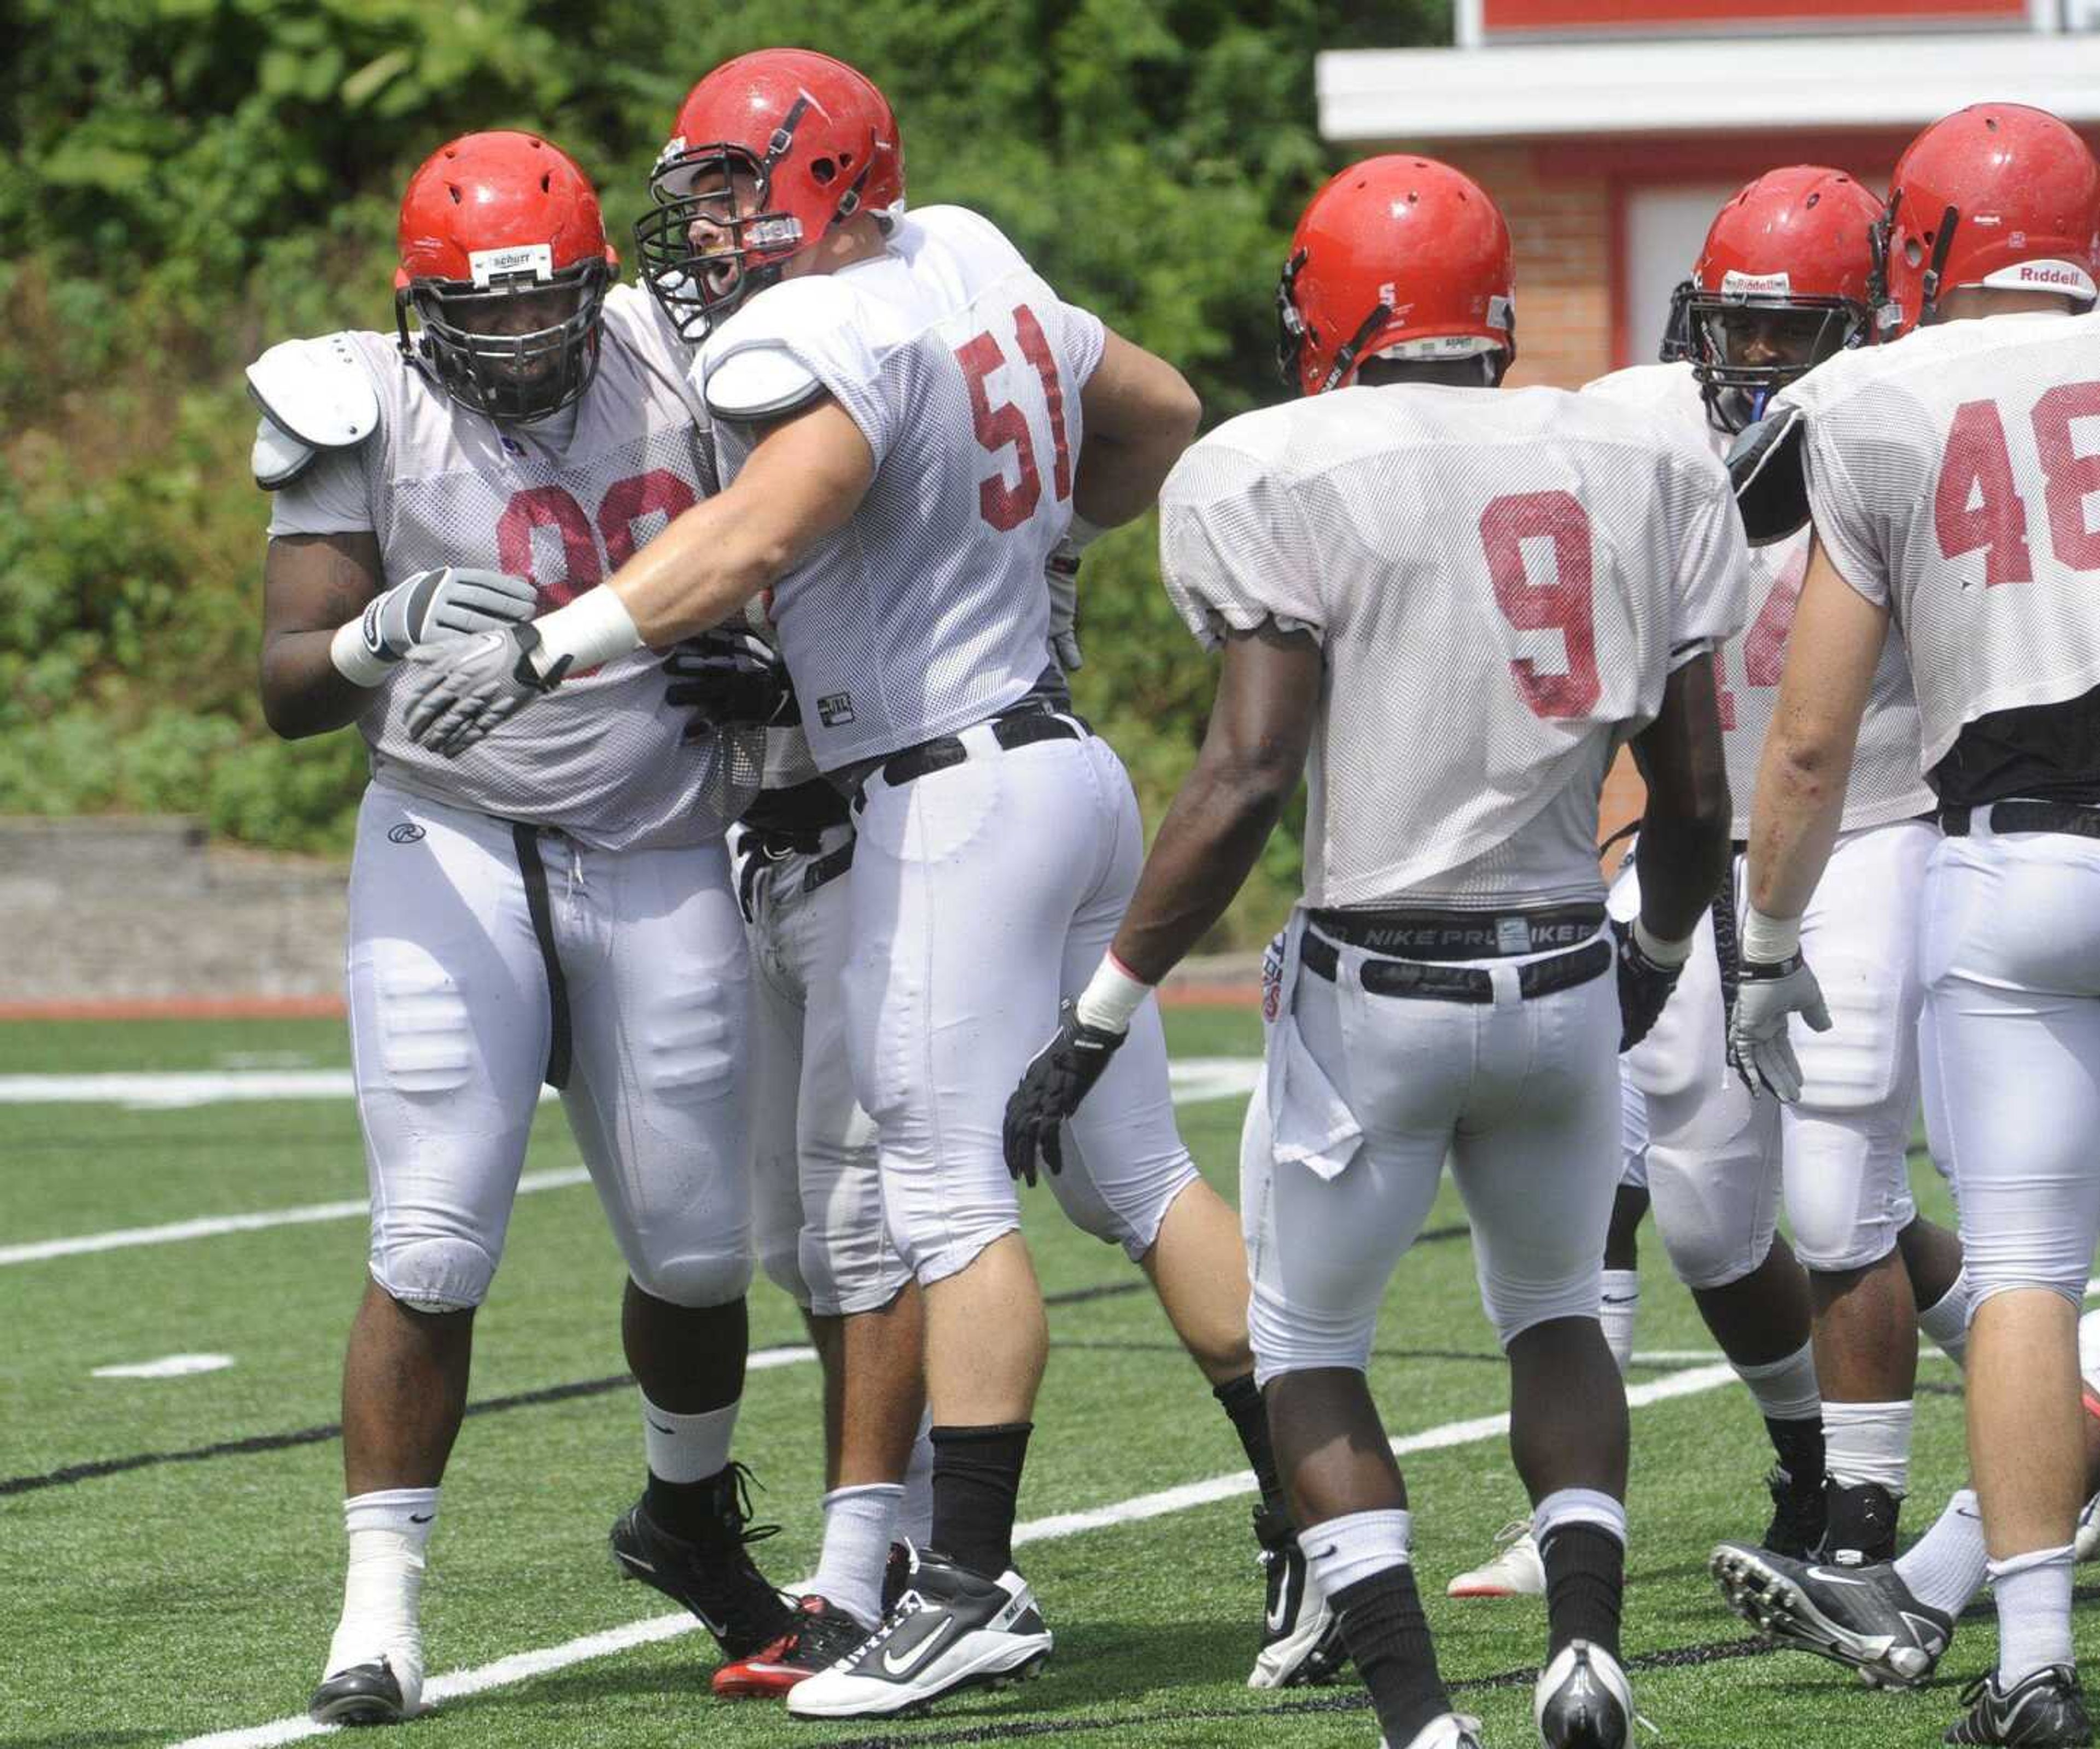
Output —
<point x="407" y="832"/>
<point x="536" y="260"/>
<point x="1272" y="980"/>
<point x="836" y="710"/>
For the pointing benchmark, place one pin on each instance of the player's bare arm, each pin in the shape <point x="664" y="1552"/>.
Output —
<point x="1830" y="660"/>
<point x="1685" y="829"/>
<point x="1141" y="414"/>
<point x="312" y="585"/>
<point x="1252" y="758"/>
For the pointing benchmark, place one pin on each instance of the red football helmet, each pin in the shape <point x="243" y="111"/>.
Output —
<point x="504" y="260"/>
<point x="1785" y="280"/>
<point x="1997" y="195"/>
<point x="812" y="141"/>
<point x="1399" y="258"/>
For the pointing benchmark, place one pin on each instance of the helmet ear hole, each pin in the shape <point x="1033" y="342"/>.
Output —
<point x="824" y="170"/>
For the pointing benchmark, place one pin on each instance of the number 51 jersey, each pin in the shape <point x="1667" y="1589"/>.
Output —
<point x="1500" y="581"/>
<point x="962" y="370"/>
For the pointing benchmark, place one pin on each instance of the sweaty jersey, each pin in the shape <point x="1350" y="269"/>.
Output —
<point x="1500" y="581"/>
<point x="1951" y="478"/>
<point x="565" y="502"/>
<point x="1885" y="784"/>
<point x="962" y="369"/>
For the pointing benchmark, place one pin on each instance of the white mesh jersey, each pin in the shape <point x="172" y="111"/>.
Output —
<point x="962" y="369"/>
<point x="1500" y="581"/>
<point x="565" y="502"/>
<point x="1951" y="478"/>
<point x="1885" y="785"/>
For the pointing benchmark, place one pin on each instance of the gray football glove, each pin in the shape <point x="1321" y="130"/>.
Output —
<point x="462" y="689"/>
<point x="433" y="605"/>
<point x="1062" y="574"/>
<point x="1769" y="994"/>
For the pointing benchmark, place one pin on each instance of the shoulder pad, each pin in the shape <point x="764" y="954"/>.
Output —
<point x="314" y="395"/>
<point x="1765" y="468"/>
<point x="752" y="366"/>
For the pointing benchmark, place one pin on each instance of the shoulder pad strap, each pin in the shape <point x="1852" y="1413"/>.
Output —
<point x="314" y="395"/>
<point x="1765" y="467"/>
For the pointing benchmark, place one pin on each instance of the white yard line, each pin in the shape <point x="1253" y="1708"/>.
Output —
<point x="520" y="1666"/>
<point x="1195" y="1078"/>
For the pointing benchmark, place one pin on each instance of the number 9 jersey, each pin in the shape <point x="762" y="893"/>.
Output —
<point x="1502" y="582"/>
<point x="962" y="370"/>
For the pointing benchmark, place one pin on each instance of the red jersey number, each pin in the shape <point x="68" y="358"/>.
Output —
<point x="1005" y="426"/>
<point x="1560" y="604"/>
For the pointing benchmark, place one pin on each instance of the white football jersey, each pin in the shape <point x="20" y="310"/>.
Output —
<point x="565" y="502"/>
<point x="1502" y="582"/>
<point x="1885" y="784"/>
<point x="963" y="370"/>
<point x="1952" y="477"/>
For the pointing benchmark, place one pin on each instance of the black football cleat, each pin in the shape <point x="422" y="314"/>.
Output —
<point x="714" y="1577"/>
<point x="1798" y="1519"/>
<point x="1583" y="1700"/>
<point x="2044" y="1711"/>
<point x="1301" y="1634"/>
<point x="1862" y="1617"/>
<point x="951" y="1630"/>
<point x="822" y="1634"/>
<point x="363" y="1694"/>
<point x="1861" y="1527"/>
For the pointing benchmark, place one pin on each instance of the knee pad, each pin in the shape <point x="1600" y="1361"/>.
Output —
<point x="1128" y="1211"/>
<point x="1515" y="1307"/>
<point x="695" y="1279"/>
<point x="447" y="1275"/>
<point x="1288" y="1338"/>
<point x="781" y="1259"/>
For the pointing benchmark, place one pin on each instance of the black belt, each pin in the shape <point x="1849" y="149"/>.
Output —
<point x="1018" y="727"/>
<point x="1430" y="982"/>
<point x="773" y="842"/>
<point x="526" y="841"/>
<point x="826" y="869"/>
<point x="2027" y="816"/>
<point x="1460" y="935"/>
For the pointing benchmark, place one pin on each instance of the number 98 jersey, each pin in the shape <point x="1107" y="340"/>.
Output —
<point x="962" y="370"/>
<point x="1885" y="785"/>
<point x="1502" y="582"/>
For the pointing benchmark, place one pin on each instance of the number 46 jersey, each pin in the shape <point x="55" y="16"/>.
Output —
<point x="962" y="370"/>
<point x="1500" y="581"/>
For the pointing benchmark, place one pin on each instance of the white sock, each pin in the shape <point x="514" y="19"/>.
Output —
<point x="684" y="1448"/>
<point x="1570" y="1506"/>
<point x="1342" y="1550"/>
<point x="2089" y="1349"/>
<point x="1945" y="1566"/>
<point x="1868" y="1442"/>
<point x="1620" y="1306"/>
<point x="382" y="1586"/>
<point x="857" y="1522"/>
<point x="915" y="1518"/>
<point x="2034" y="1612"/>
<point x="1946" y="1320"/>
<point x="1786" y="1389"/>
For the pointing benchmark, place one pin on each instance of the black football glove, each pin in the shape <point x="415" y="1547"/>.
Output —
<point x="728" y="680"/>
<point x="1644" y="986"/>
<point x="1058" y="1077"/>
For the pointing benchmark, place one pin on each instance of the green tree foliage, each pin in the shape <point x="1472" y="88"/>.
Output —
<point x="189" y="180"/>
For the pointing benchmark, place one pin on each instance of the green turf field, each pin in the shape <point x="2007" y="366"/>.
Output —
<point x="172" y="1546"/>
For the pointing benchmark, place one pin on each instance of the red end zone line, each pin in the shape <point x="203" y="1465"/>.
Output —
<point x="330" y="1007"/>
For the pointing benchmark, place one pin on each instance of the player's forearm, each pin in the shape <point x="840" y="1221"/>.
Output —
<point x="1795" y="818"/>
<point x="1683" y="857"/>
<point x="303" y="692"/>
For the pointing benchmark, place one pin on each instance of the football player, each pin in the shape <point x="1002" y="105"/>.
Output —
<point x="907" y="421"/>
<point x="1947" y="476"/>
<point x="1416" y="579"/>
<point x="554" y="907"/>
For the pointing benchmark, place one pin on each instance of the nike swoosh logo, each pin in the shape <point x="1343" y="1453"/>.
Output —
<point x="1829" y="1578"/>
<point x="918" y="1653"/>
<point x="1631" y="1299"/>
<point x="420" y="1518"/>
<point x="661" y="1428"/>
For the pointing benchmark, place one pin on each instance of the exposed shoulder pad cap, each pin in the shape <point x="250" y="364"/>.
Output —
<point x="752" y="365"/>
<point x="1765" y="467"/>
<point x="314" y="395"/>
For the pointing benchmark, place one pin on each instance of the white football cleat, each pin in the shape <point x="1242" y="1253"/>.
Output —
<point x="1583" y="1700"/>
<point x="1449" y="1730"/>
<point x="1301" y="1635"/>
<point x="1514" y="1571"/>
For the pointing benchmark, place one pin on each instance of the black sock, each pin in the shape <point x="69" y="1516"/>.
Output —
<point x="1799" y="1446"/>
<point x="976" y="1484"/>
<point x="1388" y="1635"/>
<point x="1586" y="1584"/>
<point x="693" y="1511"/>
<point x="1240" y="1399"/>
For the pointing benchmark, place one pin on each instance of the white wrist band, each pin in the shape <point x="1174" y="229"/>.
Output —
<point x="1081" y="534"/>
<point x="1662" y="953"/>
<point x="353" y="657"/>
<point x="1110" y="998"/>
<point x="594" y="628"/>
<point x="1770" y="938"/>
